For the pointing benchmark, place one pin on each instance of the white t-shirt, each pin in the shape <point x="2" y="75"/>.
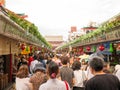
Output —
<point x="89" y="74"/>
<point x="118" y="74"/>
<point x="54" y="84"/>
<point x="80" y="76"/>
<point x="32" y="65"/>
<point x="21" y="84"/>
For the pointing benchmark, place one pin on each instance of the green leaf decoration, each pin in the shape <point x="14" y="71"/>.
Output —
<point x="26" y="25"/>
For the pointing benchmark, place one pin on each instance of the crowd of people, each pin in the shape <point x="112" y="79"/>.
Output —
<point x="43" y="71"/>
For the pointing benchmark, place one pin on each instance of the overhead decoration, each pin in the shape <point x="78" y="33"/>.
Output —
<point x="111" y="47"/>
<point x="25" y="52"/>
<point x="118" y="47"/>
<point x="101" y="47"/>
<point x="35" y="48"/>
<point x="74" y="49"/>
<point x="27" y="48"/>
<point x="39" y="49"/>
<point x="31" y="48"/>
<point x="88" y="48"/>
<point x="84" y="49"/>
<point x="107" y="45"/>
<point x="94" y="48"/>
<point x="23" y="46"/>
<point x="26" y="25"/>
<point x="106" y="32"/>
<point x="81" y="49"/>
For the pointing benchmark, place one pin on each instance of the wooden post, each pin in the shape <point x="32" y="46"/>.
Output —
<point x="10" y="63"/>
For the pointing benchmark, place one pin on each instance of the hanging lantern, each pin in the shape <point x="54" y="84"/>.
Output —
<point x="81" y="49"/>
<point x="101" y="48"/>
<point x="111" y="47"/>
<point x="22" y="46"/>
<point x="107" y="45"/>
<point x="74" y="49"/>
<point x="35" y="48"/>
<point x="31" y="48"/>
<point x="117" y="47"/>
<point x="84" y="49"/>
<point x="88" y="48"/>
<point x="43" y="50"/>
<point x="39" y="49"/>
<point x="94" y="48"/>
<point x="27" y="48"/>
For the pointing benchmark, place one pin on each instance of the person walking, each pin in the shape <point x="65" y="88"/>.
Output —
<point x="54" y="83"/>
<point x="39" y="77"/>
<point x="41" y="58"/>
<point x="79" y="76"/>
<point x="101" y="80"/>
<point x="66" y="73"/>
<point x="33" y="63"/>
<point x="117" y="71"/>
<point x="22" y="79"/>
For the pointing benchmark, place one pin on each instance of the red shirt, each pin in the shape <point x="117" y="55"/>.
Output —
<point x="30" y="59"/>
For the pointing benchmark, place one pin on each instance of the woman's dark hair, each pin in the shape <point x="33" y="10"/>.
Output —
<point x="97" y="63"/>
<point x="46" y="56"/>
<point x="48" y="61"/>
<point x="41" y="56"/>
<point x="53" y="69"/>
<point x="30" y="54"/>
<point x="35" y="57"/>
<point x="76" y="65"/>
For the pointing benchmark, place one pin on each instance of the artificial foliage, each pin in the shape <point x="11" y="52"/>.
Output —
<point x="28" y="26"/>
<point x="105" y="27"/>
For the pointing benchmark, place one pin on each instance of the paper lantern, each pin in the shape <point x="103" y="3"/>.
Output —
<point x="88" y="48"/>
<point x="84" y="49"/>
<point x="111" y="47"/>
<point x="101" y="47"/>
<point x="107" y="45"/>
<point x="74" y="49"/>
<point x="39" y="49"/>
<point x="27" y="48"/>
<point x="94" y="48"/>
<point x="81" y="49"/>
<point x="35" y="48"/>
<point x="31" y="48"/>
<point x="22" y="46"/>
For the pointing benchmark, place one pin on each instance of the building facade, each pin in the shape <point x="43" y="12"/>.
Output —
<point x="74" y="33"/>
<point x="55" y="41"/>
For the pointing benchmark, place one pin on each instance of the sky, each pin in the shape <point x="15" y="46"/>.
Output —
<point x="55" y="17"/>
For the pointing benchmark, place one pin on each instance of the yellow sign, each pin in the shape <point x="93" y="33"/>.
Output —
<point x="26" y="50"/>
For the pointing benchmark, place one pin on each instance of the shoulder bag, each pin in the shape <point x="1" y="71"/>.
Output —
<point x="66" y="85"/>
